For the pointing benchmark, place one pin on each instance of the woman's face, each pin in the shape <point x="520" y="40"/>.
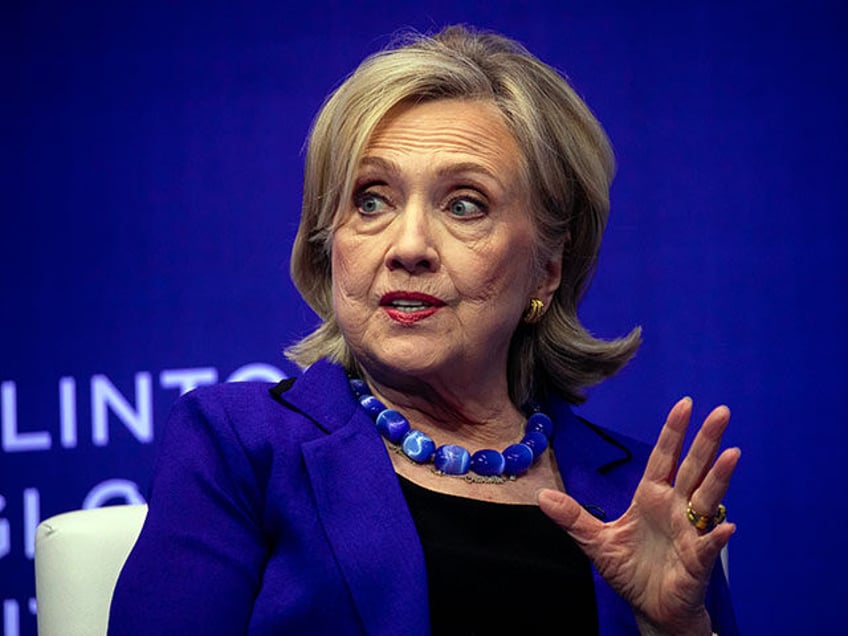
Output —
<point x="432" y="258"/>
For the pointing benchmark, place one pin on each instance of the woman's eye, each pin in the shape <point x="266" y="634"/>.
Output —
<point x="467" y="208"/>
<point x="369" y="203"/>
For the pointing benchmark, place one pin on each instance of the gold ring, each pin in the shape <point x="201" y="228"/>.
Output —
<point x="705" y="523"/>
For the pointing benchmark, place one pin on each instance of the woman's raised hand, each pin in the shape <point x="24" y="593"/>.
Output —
<point x="653" y="555"/>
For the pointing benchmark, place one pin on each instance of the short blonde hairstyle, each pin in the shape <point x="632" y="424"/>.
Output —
<point x="570" y="167"/>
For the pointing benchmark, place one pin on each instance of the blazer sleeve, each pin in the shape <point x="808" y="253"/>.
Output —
<point x="197" y="566"/>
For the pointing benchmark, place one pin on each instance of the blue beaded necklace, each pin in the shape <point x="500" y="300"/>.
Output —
<point x="488" y="465"/>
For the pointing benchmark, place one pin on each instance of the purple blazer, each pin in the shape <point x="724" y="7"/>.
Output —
<point x="278" y="512"/>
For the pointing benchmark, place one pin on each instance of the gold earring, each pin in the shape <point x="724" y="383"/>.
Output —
<point x="534" y="312"/>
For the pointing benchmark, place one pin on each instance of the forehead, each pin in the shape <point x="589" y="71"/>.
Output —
<point x="468" y="131"/>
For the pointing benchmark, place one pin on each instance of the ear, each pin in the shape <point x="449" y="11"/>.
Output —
<point x="550" y="279"/>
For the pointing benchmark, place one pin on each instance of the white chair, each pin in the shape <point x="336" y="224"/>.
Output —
<point x="78" y="557"/>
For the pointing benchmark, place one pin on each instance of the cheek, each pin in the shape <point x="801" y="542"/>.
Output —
<point x="353" y="274"/>
<point x="499" y="272"/>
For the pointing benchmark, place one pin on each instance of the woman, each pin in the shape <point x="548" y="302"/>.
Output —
<point x="456" y="191"/>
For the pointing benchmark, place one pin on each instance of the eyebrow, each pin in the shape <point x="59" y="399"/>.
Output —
<point x="445" y="171"/>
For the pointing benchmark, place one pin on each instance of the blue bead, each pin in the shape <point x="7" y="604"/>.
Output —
<point x="372" y="405"/>
<point x="392" y="425"/>
<point x="418" y="446"/>
<point x="359" y="387"/>
<point x="536" y="441"/>
<point x="452" y="459"/>
<point x="540" y="422"/>
<point x="487" y="462"/>
<point x="518" y="458"/>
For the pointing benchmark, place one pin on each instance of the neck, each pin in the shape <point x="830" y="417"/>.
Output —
<point x="469" y="418"/>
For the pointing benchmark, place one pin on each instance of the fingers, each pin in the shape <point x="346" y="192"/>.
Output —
<point x="701" y="479"/>
<point x="569" y="515"/>
<point x="662" y="463"/>
<point x="707" y="497"/>
<point x="701" y="455"/>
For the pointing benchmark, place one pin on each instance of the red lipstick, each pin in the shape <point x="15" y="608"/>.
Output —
<point x="410" y="307"/>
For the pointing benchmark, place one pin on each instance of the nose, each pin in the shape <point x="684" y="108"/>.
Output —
<point x="412" y="243"/>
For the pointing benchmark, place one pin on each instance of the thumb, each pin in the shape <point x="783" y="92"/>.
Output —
<point x="568" y="514"/>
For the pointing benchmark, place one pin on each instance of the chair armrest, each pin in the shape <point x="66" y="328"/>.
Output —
<point x="78" y="557"/>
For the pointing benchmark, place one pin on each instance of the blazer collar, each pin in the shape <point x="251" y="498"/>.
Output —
<point x="321" y="394"/>
<point x="595" y="465"/>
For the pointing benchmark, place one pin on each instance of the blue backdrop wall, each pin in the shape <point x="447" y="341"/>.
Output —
<point x="151" y="168"/>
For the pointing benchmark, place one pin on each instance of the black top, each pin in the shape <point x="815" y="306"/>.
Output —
<point x="497" y="568"/>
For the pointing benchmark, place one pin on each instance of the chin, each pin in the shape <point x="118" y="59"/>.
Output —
<point x="405" y="360"/>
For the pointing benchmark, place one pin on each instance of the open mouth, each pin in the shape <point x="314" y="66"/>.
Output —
<point x="410" y="307"/>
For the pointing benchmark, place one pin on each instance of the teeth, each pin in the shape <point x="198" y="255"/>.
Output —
<point x="409" y="305"/>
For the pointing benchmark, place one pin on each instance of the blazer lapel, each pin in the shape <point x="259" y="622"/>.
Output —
<point x="596" y="466"/>
<point x="361" y="506"/>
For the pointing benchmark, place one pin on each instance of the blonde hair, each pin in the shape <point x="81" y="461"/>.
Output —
<point x="570" y="167"/>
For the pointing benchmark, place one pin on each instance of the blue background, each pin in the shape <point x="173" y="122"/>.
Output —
<point x="151" y="179"/>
